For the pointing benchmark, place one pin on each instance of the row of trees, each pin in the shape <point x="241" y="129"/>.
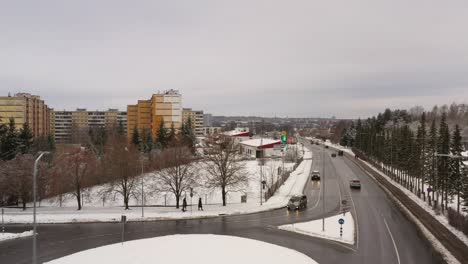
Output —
<point x="144" y="140"/>
<point x="417" y="154"/>
<point x="15" y="141"/>
<point x="176" y="169"/>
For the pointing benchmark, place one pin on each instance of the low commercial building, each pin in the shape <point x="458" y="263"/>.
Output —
<point x="210" y="131"/>
<point x="26" y="108"/>
<point x="239" y="134"/>
<point x="253" y="148"/>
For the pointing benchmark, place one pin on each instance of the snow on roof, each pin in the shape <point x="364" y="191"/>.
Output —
<point x="257" y="142"/>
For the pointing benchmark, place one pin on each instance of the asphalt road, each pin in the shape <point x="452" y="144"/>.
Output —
<point x="384" y="234"/>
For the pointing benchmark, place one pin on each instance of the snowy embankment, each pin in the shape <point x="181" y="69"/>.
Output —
<point x="332" y="228"/>
<point x="103" y="208"/>
<point x="9" y="236"/>
<point x="179" y="249"/>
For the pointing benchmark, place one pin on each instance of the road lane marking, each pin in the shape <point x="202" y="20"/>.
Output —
<point x="394" y="244"/>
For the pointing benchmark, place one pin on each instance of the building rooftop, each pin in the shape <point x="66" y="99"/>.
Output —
<point x="259" y="142"/>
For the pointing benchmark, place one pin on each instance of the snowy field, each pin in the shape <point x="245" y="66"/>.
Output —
<point x="99" y="208"/>
<point x="179" y="249"/>
<point x="9" y="236"/>
<point x="332" y="228"/>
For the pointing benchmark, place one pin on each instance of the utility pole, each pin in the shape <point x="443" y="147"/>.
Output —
<point x="41" y="154"/>
<point x="323" y="186"/>
<point x="142" y="193"/>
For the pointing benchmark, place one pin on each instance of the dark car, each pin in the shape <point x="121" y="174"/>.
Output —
<point x="326" y="146"/>
<point x="297" y="203"/>
<point x="340" y="153"/>
<point x="315" y="176"/>
<point x="333" y="155"/>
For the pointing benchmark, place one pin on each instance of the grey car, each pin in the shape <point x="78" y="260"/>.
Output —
<point x="297" y="202"/>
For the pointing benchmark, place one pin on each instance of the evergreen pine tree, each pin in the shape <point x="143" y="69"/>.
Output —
<point x="172" y="133"/>
<point x="443" y="162"/>
<point x="431" y="151"/>
<point x="25" y="139"/>
<point x="456" y="176"/>
<point x="10" y="142"/>
<point x="162" y="136"/>
<point x="136" y="137"/>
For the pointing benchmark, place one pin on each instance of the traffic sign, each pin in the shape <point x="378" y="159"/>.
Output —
<point x="283" y="133"/>
<point x="341" y="221"/>
<point x="284" y="139"/>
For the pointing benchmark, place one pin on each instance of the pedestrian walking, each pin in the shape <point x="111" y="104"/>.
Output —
<point x="184" y="205"/>
<point x="200" y="205"/>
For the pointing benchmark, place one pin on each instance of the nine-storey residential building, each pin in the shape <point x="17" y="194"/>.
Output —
<point x="196" y="119"/>
<point x="26" y="108"/>
<point x="147" y="115"/>
<point x="73" y="126"/>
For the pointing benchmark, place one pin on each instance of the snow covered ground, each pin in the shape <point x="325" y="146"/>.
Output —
<point x="332" y="228"/>
<point x="212" y="249"/>
<point x="99" y="208"/>
<point x="8" y="236"/>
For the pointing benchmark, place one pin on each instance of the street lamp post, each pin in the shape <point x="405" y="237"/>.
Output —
<point x="323" y="186"/>
<point x="41" y="154"/>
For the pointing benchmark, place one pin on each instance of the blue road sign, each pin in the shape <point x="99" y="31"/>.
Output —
<point x="341" y="221"/>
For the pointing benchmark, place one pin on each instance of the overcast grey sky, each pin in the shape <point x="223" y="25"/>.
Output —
<point x="285" y="58"/>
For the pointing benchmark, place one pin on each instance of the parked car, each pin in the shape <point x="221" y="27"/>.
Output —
<point x="340" y="153"/>
<point x="297" y="203"/>
<point x="315" y="175"/>
<point x="326" y="146"/>
<point x="333" y="155"/>
<point x="355" y="184"/>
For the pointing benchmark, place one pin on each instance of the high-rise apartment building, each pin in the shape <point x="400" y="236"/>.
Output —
<point x="147" y="115"/>
<point x="73" y="126"/>
<point x="196" y="119"/>
<point x="26" y="108"/>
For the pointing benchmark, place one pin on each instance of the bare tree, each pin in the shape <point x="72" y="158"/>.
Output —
<point x="178" y="171"/>
<point x="122" y="167"/>
<point x="224" y="167"/>
<point x="74" y="170"/>
<point x="17" y="178"/>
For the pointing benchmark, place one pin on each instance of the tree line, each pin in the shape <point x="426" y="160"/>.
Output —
<point x="420" y="150"/>
<point x="114" y="162"/>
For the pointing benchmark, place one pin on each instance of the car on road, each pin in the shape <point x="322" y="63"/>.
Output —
<point x="340" y="153"/>
<point x="333" y="155"/>
<point x="297" y="202"/>
<point x="315" y="175"/>
<point x="326" y="146"/>
<point x="355" y="184"/>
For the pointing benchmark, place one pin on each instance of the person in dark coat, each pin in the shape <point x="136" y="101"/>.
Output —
<point x="200" y="205"/>
<point x="184" y="205"/>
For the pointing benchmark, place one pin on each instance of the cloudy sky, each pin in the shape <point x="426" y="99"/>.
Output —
<point x="284" y="58"/>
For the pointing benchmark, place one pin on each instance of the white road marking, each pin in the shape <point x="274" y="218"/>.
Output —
<point x="394" y="244"/>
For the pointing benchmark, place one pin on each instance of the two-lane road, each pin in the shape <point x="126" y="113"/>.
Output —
<point x="383" y="230"/>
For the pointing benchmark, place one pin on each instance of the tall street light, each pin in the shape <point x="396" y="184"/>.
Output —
<point x="36" y="162"/>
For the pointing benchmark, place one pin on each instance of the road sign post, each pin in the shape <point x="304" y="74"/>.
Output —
<point x="191" y="195"/>
<point x="123" y="219"/>
<point x="3" y="224"/>
<point x="341" y="222"/>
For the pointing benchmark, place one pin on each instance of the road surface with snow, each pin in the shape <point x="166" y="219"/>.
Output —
<point x="383" y="234"/>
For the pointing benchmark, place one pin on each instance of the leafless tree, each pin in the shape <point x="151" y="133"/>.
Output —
<point x="122" y="166"/>
<point x="17" y="178"/>
<point x="224" y="167"/>
<point x="177" y="174"/>
<point x="74" y="171"/>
